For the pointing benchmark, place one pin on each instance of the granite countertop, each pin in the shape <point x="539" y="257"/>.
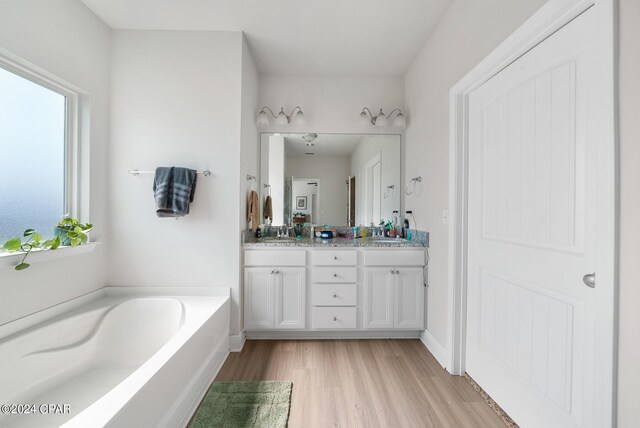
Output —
<point x="334" y="243"/>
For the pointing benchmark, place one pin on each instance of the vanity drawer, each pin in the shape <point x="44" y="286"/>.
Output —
<point x="335" y="274"/>
<point x="335" y="257"/>
<point x="398" y="257"/>
<point x="275" y="258"/>
<point x="334" y="317"/>
<point x="335" y="295"/>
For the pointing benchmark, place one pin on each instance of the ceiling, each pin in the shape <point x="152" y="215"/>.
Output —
<point x="338" y="145"/>
<point x="321" y="37"/>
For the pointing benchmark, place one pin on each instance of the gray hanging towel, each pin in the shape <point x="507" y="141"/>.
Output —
<point x="174" y="189"/>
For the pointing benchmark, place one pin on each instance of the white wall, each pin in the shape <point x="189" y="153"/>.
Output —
<point x="176" y="100"/>
<point x="64" y="38"/>
<point x="250" y="144"/>
<point x="332" y="171"/>
<point x="469" y="30"/>
<point x="301" y="188"/>
<point x="331" y="103"/>
<point x="629" y="317"/>
<point x="389" y="148"/>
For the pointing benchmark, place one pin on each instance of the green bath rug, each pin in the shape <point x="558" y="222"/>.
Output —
<point x="262" y="404"/>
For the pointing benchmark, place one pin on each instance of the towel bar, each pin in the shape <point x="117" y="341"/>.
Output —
<point x="206" y="172"/>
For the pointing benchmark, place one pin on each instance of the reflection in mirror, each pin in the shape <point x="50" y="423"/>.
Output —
<point x="335" y="179"/>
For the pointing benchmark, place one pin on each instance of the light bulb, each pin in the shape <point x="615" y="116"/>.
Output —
<point x="299" y="118"/>
<point x="282" y="118"/>
<point x="400" y="121"/>
<point x="263" y="119"/>
<point x="381" y="119"/>
<point x="364" y="118"/>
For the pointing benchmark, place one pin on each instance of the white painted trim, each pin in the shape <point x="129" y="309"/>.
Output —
<point x="236" y="342"/>
<point x="354" y="334"/>
<point x="550" y="18"/>
<point x="435" y="347"/>
<point x="12" y="259"/>
<point x="76" y="130"/>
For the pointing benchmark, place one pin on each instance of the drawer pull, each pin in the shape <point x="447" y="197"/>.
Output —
<point x="335" y="319"/>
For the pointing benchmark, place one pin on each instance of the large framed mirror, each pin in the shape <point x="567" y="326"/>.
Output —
<point x="334" y="179"/>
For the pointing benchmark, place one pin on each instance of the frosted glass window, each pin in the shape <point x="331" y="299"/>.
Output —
<point x="32" y="156"/>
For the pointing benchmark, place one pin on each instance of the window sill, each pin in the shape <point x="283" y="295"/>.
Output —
<point x="12" y="259"/>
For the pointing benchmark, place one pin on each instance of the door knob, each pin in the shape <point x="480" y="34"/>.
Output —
<point x="590" y="280"/>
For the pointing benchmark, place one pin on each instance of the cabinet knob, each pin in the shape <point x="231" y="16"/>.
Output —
<point x="335" y="296"/>
<point x="277" y="272"/>
<point x="272" y="272"/>
<point x="335" y="319"/>
<point x="335" y="275"/>
<point x="335" y="257"/>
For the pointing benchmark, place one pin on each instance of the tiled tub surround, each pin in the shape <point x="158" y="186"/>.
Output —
<point x="336" y="288"/>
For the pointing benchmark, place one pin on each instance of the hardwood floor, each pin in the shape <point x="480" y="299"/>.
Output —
<point x="362" y="383"/>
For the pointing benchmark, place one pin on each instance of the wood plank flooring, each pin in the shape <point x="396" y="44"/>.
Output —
<point x="362" y="383"/>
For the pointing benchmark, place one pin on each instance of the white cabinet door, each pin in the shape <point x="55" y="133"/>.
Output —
<point x="409" y="299"/>
<point x="290" y="287"/>
<point x="258" y="298"/>
<point x="378" y="298"/>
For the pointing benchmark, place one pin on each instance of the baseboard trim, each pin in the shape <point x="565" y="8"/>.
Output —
<point x="236" y="342"/>
<point x="435" y="347"/>
<point x="276" y="335"/>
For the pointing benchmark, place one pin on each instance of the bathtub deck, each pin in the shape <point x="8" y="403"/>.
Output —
<point x="362" y="383"/>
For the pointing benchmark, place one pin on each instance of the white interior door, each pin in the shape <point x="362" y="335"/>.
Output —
<point x="532" y="231"/>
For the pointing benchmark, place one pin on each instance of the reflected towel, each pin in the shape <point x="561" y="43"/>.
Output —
<point x="252" y="210"/>
<point x="268" y="208"/>
<point x="174" y="189"/>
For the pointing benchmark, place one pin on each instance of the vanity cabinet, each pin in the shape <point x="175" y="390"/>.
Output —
<point x="326" y="291"/>
<point x="393" y="298"/>
<point x="274" y="296"/>
<point x="335" y="289"/>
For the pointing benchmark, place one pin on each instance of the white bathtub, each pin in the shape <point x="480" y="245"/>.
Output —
<point x="122" y="357"/>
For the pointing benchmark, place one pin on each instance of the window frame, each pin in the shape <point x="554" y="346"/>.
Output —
<point x="74" y="205"/>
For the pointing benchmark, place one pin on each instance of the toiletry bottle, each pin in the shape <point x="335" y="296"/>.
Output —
<point x="355" y="231"/>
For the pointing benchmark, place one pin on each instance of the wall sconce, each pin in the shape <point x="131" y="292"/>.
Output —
<point x="380" y="120"/>
<point x="282" y="118"/>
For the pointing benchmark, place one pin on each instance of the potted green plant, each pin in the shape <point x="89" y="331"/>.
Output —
<point x="68" y="232"/>
<point x="72" y="232"/>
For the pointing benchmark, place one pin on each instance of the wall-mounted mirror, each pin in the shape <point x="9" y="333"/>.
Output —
<point x="335" y="179"/>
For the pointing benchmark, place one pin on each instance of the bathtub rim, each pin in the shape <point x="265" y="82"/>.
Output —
<point x="31" y="320"/>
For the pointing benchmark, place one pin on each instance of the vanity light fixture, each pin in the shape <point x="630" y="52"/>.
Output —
<point x="382" y="120"/>
<point x="282" y="118"/>
<point x="309" y="139"/>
